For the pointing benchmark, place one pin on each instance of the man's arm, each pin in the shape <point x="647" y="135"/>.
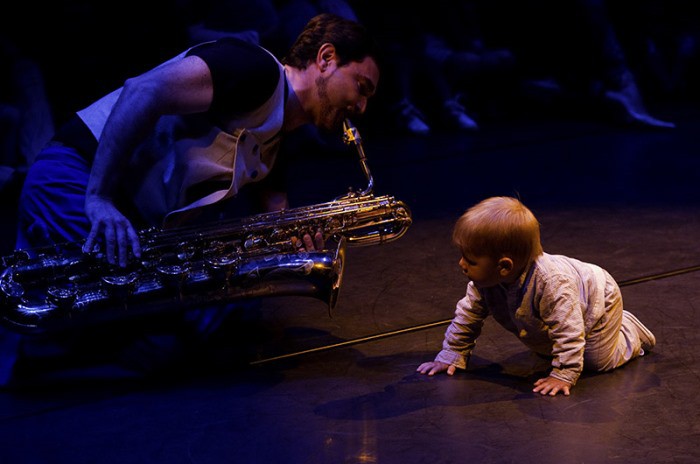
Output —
<point x="180" y="87"/>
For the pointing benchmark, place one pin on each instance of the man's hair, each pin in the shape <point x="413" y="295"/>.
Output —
<point x="351" y="39"/>
<point x="497" y="227"/>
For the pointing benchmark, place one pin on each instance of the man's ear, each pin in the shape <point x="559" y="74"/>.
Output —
<point x="325" y="55"/>
<point x="505" y="266"/>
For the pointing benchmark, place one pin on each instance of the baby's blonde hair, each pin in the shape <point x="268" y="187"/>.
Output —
<point x="498" y="227"/>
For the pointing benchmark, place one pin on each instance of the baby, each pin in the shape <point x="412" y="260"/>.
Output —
<point x="559" y="307"/>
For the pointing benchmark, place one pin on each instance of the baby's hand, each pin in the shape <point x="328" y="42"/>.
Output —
<point x="551" y="386"/>
<point x="434" y="367"/>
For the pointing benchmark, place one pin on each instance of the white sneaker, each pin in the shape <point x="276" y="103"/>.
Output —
<point x="645" y="336"/>
<point x="457" y="116"/>
<point x="410" y="119"/>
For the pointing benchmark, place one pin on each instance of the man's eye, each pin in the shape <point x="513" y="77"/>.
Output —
<point x="362" y="88"/>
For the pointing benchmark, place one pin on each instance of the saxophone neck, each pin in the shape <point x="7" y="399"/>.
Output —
<point x="352" y="136"/>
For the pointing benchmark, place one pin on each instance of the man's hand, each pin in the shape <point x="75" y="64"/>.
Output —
<point x="111" y="229"/>
<point x="307" y="240"/>
<point x="310" y="241"/>
<point x="434" y="367"/>
<point x="551" y="386"/>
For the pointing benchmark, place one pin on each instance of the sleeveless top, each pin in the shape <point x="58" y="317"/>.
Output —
<point x="185" y="151"/>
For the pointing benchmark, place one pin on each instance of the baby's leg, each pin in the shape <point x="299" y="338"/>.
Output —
<point x="617" y="338"/>
<point x="610" y="344"/>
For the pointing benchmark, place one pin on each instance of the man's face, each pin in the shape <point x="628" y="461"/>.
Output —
<point x="343" y="92"/>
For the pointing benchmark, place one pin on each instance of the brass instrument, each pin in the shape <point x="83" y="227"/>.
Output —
<point x="60" y="286"/>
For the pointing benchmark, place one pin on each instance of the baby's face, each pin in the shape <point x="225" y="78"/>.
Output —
<point x="484" y="271"/>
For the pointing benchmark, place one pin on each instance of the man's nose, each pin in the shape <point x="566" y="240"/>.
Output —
<point x="361" y="105"/>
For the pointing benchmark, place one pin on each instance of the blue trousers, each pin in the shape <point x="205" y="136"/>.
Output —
<point x="51" y="210"/>
<point x="52" y="201"/>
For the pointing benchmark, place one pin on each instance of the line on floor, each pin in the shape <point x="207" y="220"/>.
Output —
<point x="430" y="325"/>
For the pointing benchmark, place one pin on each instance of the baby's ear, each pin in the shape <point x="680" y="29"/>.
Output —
<point x="505" y="266"/>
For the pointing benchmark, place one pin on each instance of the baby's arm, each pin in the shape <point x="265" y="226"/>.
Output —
<point x="551" y="386"/>
<point x="561" y="310"/>
<point x="434" y="367"/>
<point x="460" y="336"/>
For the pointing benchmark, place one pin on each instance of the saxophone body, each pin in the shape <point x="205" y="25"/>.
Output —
<point x="59" y="287"/>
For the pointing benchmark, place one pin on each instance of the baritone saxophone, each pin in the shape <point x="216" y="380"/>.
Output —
<point x="60" y="286"/>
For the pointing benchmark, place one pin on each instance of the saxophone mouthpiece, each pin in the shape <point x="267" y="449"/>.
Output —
<point x="350" y="133"/>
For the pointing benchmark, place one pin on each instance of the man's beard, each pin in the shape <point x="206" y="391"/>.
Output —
<point x="331" y="120"/>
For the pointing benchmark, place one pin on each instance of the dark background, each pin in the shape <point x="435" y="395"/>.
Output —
<point x="295" y="384"/>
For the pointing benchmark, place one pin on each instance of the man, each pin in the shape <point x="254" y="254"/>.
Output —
<point x="190" y="133"/>
<point x="175" y="140"/>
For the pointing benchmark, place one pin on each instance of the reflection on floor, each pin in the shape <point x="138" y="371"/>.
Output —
<point x="294" y="384"/>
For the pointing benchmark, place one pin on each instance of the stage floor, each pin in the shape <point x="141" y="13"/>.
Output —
<point x="305" y="386"/>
